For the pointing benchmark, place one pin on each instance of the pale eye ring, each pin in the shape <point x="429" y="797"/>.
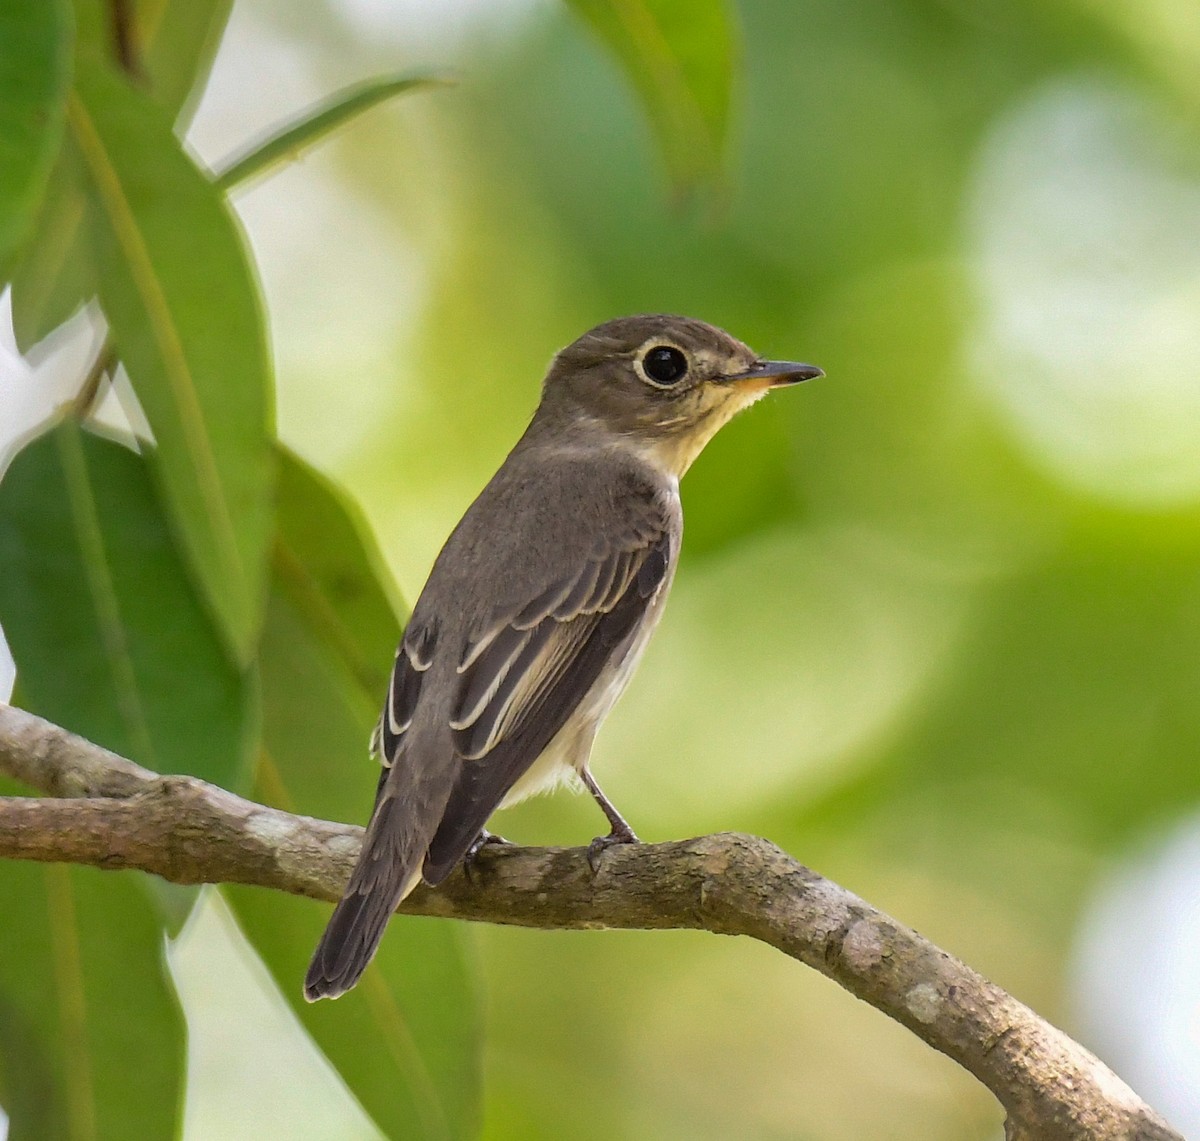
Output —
<point x="664" y="365"/>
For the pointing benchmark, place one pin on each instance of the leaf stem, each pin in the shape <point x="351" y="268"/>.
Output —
<point x="102" y="368"/>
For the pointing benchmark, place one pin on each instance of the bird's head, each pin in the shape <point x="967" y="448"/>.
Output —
<point x="659" y="385"/>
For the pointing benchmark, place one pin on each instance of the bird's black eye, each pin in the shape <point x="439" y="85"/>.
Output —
<point x="665" y="364"/>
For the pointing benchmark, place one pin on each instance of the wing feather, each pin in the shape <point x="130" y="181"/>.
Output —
<point x="413" y="658"/>
<point x="575" y="601"/>
<point x="612" y="581"/>
<point x="481" y="686"/>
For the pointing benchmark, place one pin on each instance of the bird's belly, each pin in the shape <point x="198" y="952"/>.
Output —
<point x="552" y="769"/>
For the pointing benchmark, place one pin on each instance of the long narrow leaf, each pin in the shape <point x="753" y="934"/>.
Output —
<point x="54" y="274"/>
<point x="680" y="56"/>
<point x="107" y="634"/>
<point x="177" y="289"/>
<point x="312" y="125"/>
<point x="180" y="40"/>
<point x="35" y="57"/>
<point x="92" y="1041"/>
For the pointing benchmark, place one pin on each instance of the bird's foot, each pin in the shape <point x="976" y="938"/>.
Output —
<point x="483" y="840"/>
<point x="601" y="844"/>
<point x="620" y="832"/>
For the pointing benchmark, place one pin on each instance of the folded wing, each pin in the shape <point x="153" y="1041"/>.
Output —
<point x="525" y="671"/>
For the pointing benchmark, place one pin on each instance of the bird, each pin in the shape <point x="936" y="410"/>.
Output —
<point x="538" y="608"/>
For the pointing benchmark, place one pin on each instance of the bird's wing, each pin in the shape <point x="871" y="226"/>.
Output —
<point x="524" y="671"/>
<point x="414" y="656"/>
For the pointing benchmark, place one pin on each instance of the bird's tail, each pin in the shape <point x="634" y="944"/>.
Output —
<point x="389" y="867"/>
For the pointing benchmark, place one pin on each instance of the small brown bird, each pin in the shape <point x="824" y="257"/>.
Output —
<point x="538" y="608"/>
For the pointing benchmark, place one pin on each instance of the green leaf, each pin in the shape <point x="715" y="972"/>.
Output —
<point x="680" y="56"/>
<point x="54" y="274"/>
<point x="108" y="636"/>
<point x="180" y="40"/>
<point x="177" y="289"/>
<point x="326" y="565"/>
<point x="314" y="124"/>
<point x="406" y="1040"/>
<point x="35" y="74"/>
<point x="92" y="1041"/>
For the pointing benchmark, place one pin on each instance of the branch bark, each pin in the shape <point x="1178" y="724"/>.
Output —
<point x="118" y="815"/>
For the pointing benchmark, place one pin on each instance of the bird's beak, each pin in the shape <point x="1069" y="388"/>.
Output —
<point x="773" y="374"/>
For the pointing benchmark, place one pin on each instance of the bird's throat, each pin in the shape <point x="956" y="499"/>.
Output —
<point x="673" y="449"/>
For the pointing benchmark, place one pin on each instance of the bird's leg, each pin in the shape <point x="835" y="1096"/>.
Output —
<point x="620" y="832"/>
<point x="477" y="845"/>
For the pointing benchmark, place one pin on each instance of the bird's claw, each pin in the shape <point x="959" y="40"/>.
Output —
<point x="601" y="844"/>
<point x="483" y="840"/>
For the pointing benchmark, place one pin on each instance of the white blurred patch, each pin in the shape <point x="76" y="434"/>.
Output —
<point x="440" y="30"/>
<point x="340" y="288"/>
<point x="253" y="1073"/>
<point x="260" y="79"/>
<point x="32" y="390"/>
<point x="340" y="284"/>
<point x="1085" y="238"/>
<point x="1136" y="976"/>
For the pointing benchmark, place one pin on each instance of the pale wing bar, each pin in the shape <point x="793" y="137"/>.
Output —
<point x="413" y="658"/>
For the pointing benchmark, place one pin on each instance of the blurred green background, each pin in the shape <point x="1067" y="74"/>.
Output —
<point x="936" y="629"/>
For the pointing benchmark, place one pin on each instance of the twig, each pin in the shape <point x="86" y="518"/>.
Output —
<point x="102" y="366"/>
<point x="191" y="832"/>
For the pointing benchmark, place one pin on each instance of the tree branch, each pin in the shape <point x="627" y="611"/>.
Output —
<point x="187" y="831"/>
